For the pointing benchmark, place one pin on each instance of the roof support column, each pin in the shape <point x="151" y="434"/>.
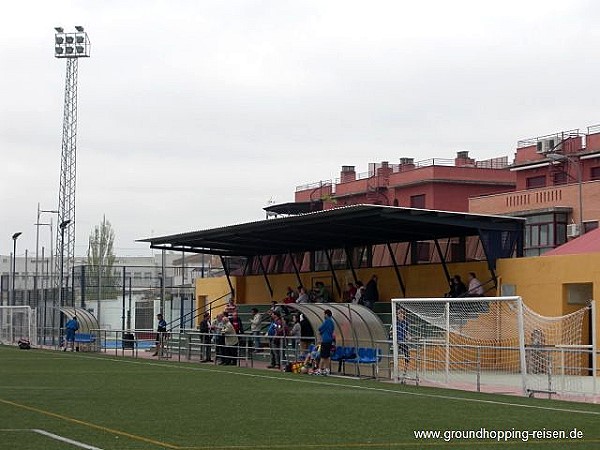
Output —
<point x="396" y="269"/>
<point x="335" y="280"/>
<point x="296" y="271"/>
<point x="226" y="270"/>
<point x="491" y="260"/>
<point x="443" y="260"/>
<point x="350" y="261"/>
<point x="264" y="271"/>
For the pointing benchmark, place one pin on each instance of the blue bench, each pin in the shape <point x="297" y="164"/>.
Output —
<point x="364" y="355"/>
<point x="85" y="338"/>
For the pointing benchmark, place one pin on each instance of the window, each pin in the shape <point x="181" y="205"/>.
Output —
<point x="579" y="293"/>
<point x="595" y="173"/>
<point x="560" y="178"/>
<point x="417" y="201"/>
<point x="544" y="232"/>
<point x="536" y="182"/>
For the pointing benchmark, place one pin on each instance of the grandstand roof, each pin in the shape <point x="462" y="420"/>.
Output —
<point x="349" y="226"/>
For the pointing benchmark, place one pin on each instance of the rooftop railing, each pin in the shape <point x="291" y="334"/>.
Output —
<point x="493" y="163"/>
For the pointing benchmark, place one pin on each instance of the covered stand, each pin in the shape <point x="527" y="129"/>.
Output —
<point x="355" y="325"/>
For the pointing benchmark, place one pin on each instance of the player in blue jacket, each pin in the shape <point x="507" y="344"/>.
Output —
<point x="326" y="332"/>
<point x="70" y="328"/>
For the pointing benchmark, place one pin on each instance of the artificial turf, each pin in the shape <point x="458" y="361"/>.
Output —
<point x="124" y="403"/>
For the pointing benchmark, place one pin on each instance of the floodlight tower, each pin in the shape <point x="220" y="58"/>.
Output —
<point x="70" y="46"/>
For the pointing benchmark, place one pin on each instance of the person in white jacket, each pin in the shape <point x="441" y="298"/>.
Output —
<point x="255" y="326"/>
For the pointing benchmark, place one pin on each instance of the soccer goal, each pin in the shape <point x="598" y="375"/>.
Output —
<point x="17" y="322"/>
<point x="492" y="344"/>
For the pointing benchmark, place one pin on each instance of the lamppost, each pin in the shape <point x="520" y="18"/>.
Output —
<point x="14" y="267"/>
<point x="555" y="157"/>
<point x="62" y="226"/>
<point x="37" y="245"/>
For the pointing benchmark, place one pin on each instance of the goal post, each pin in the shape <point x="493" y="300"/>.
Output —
<point x="17" y="322"/>
<point x="492" y="344"/>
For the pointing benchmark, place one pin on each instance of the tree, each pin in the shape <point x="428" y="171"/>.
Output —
<point x="101" y="282"/>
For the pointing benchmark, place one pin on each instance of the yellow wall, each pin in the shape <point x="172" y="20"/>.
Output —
<point x="210" y="289"/>
<point x="540" y="281"/>
<point x="427" y="280"/>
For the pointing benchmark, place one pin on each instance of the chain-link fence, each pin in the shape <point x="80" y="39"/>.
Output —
<point x="120" y="297"/>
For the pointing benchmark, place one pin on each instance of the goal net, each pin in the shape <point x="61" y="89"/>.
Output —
<point x="17" y="322"/>
<point x="492" y="344"/>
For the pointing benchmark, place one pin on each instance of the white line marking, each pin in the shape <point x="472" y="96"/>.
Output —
<point x="67" y="440"/>
<point x="353" y="386"/>
<point x="55" y="437"/>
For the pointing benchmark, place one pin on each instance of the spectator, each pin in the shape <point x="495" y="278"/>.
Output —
<point x="231" y="307"/>
<point x="326" y="332"/>
<point x="306" y="333"/>
<point x="276" y="332"/>
<point x="350" y="293"/>
<point x="402" y="337"/>
<point x="457" y="287"/>
<point x="205" y="337"/>
<point x="70" y="328"/>
<point x="236" y="321"/>
<point x="475" y="286"/>
<point x="371" y="293"/>
<point x="290" y="296"/>
<point x="296" y="331"/>
<point x="161" y="331"/>
<point x="255" y="325"/>
<point x="231" y="342"/>
<point x="322" y="295"/>
<point x="218" y="338"/>
<point x="311" y="361"/>
<point x="360" y="292"/>
<point x="302" y="295"/>
<point x="275" y="307"/>
<point x="537" y="356"/>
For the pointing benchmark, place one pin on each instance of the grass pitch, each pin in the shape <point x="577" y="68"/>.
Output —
<point x="53" y="400"/>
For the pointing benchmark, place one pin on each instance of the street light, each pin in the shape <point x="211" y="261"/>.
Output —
<point x="37" y="245"/>
<point x="62" y="227"/>
<point x="14" y="238"/>
<point x="556" y="157"/>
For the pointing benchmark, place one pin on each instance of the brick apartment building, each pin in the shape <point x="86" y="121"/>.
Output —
<point x="557" y="188"/>
<point x="554" y="182"/>
<point x="443" y="184"/>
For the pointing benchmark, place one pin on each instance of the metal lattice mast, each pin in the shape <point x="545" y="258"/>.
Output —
<point x="70" y="46"/>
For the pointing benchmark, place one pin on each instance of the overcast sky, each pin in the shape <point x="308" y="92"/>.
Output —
<point x="193" y="114"/>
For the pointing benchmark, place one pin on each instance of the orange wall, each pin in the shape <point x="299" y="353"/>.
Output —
<point x="565" y="195"/>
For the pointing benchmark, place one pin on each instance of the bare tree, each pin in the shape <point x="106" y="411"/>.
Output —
<point x="100" y="260"/>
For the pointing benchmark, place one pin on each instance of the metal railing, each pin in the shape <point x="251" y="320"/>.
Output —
<point x="492" y="163"/>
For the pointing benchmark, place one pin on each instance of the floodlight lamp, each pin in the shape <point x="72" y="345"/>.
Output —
<point x="59" y="50"/>
<point x="79" y="39"/>
<point x="69" y="49"/>
<point x="79" y="48"/>
<point x="79" y="28"/>
<point x="59" y="29"/>
<point x="59" y="39"/>
<point x="69" y="39"/>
